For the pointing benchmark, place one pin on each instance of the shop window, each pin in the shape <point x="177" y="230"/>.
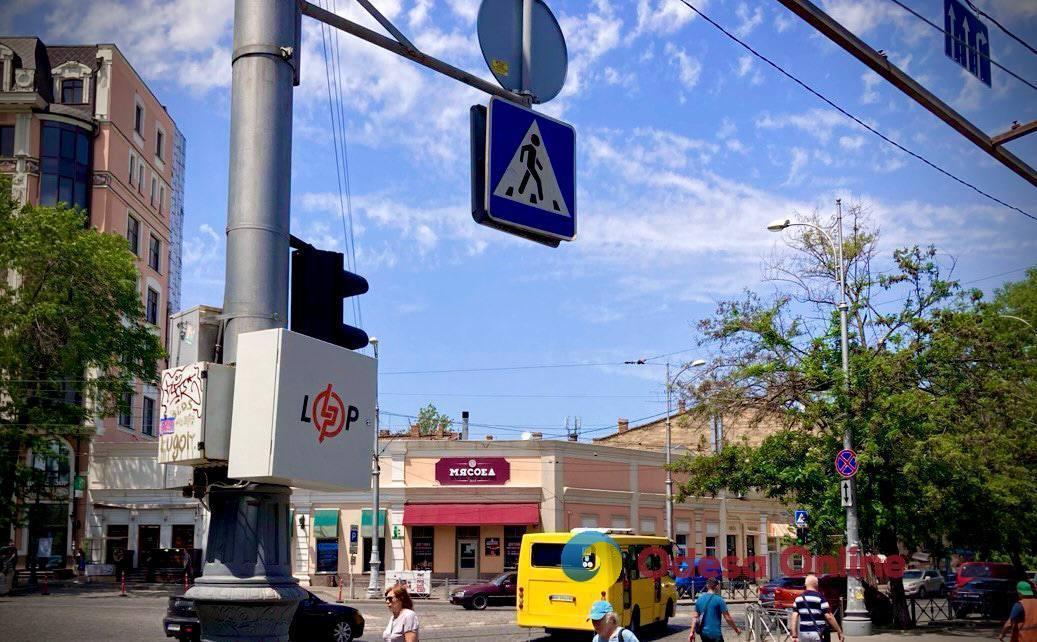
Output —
<point x="147" y="425"/>
<point x="325" y="533"/>
<point x="367" y="553"/>
<point x="7" y="140"/>
<point x="183" y="536"/>
<point x="48" y="535"/>
<point x="64" y="165"/>
<point x="116" y="542"/>
<point x="422" y="539"/>
<point x="512" y="545"/>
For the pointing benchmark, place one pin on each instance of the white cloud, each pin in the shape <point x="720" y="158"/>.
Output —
<point x="861" y="16"/>
<point x="870" y="80"/>
<point x="662" y="17"/>
<point x="782" y="20"/>
<point x="727" y="128"/>
<point x="747" y="68"/>
<point x="688" y="69"/>
<point x="620" y="78"/>
<point x="748" y="22"/>
<point x="467" y="10"/>
<point x="588" y="38"/>
<point x="818" y="123"/>
<point x="799" y="160"/>
<point x="851" y="143"/>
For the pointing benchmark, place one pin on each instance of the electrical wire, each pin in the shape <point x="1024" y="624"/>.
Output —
<point x="966" y="44"/>
<point x="851" y="116"/>
<point x="1001" y="26"/>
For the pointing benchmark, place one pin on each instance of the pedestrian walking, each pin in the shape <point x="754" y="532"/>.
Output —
<point x="709" y="609"/>
<point x="606" y="624"/>
<point x="811" y="615"/>
<point x="1022" y="621"/>
<point x="403" y="621"/>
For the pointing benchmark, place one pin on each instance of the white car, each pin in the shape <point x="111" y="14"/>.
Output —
<point x="923" y="583"/>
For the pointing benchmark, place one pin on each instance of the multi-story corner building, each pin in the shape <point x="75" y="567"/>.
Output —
<point x="79" y="126"/>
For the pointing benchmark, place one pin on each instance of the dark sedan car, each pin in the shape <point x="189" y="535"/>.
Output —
<point x="499" y="590"/>
<point x="315" y="619"/>
<point x="992" y="598"/>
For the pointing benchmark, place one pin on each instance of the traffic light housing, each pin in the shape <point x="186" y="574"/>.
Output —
<point x="801" y="535"/>
<point x="319" y="285"/>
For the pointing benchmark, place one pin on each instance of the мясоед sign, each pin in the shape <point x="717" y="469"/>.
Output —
<point x="452" y="471"/>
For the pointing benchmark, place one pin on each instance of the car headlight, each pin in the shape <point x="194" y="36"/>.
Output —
<point x="459" y="594"/>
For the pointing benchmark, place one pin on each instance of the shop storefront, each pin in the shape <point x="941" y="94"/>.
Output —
<point x="460" y="508"/>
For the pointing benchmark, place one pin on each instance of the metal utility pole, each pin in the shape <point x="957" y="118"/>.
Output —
<point x="374" y="588"/>
<point x="856" y="621"/>
<point x="878" y="63"/>
<point x="247" y="591"/>
<point x="669" y="475"/>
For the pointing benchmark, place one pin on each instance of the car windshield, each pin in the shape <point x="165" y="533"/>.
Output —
<point x="793" y="582"/>
<point x="502" y="578"/>
<point x="975" y="571"/>
<point x="912" y="575"/>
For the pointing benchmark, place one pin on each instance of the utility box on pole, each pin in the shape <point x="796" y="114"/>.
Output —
<point x="194" y="418"/>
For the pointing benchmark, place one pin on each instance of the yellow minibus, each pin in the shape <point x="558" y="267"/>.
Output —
<point x="558" y="583"/>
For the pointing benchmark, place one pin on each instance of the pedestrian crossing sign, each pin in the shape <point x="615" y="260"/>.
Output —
<point x="530" y="171"/>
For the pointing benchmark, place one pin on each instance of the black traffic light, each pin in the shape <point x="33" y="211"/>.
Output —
<point x="801" y="535"/>
<point x="319" y="284"/>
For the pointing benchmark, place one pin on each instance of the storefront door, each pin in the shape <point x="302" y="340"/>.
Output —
<point x="467" y="559"/>
<point x="147" y="541"/>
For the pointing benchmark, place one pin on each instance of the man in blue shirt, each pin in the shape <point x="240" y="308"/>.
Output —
<point x="606" y="624"/>
<point x="710" y="607"/>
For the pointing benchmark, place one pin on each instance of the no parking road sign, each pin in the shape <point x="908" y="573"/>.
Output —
<point x="846" y="463"/>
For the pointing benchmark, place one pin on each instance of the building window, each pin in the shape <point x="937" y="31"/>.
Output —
<point x="750" y="545"/>
<point x="152" y="307"/>
<point x="647" y="526"/>
<point x="7" y="140"/>
<point x="159" y="136"/>
<point x="620" y="521"/>
<point x="161" y="197"/>
<point x="711" y="546"/>
<point x="126" y="411"/>
<point x="64" y="165"/>
<point x="183" y="536"/>
<point x="147" y="424"/>
<point x="52" y="466"/>
<point x="140" y="177"/>
<point x="72" y="92"/>
<point x="116" y="543"/>
<point x="512" y="545"/>
<point x="138" y="119"/>
<point x="732" y="545"/>
<point x="154" y="253"/>
<point x="422" y="540"/>
<point x="133" y="169"/>
<point x="133" y="234"/>
<point x="154" y="189"/>
<point x="588" y="521"/>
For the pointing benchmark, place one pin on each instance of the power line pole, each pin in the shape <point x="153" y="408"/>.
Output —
<point x="374" y="588"/>
<point x="247" y="591"/>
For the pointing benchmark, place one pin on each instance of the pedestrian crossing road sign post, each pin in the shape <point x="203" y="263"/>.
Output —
<point x="524" y="179"/>
<point x="800" y="519"/>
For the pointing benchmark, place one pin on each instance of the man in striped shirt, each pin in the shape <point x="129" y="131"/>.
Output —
<point x="810" y="613"/>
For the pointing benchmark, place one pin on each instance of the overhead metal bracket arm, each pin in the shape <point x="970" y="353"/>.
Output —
<point x="409" y="52"/>
<point x="389" y="26"/>
<point x="878" y="63"/>
<point x="1017" y="131"/>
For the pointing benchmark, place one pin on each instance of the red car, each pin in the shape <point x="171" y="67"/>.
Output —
<point x="828" y="585"/>
<point x="969" y="571"/>
<point x="499" y="590"/>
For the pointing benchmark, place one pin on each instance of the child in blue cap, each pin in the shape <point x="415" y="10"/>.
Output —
<point x="606" y="624"/>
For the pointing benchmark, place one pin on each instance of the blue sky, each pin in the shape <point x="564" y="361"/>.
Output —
<point x="687" y="147"/>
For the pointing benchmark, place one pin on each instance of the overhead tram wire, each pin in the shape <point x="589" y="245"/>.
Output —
<point x="851" y="116"/>
<point x="967" y="45"/>
<point x="1001" y="26"/>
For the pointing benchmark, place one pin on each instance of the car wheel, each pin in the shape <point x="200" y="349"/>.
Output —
<point x="922" y="594"/>
<point x="341" y="632"/>
<point x="479" y="602"/>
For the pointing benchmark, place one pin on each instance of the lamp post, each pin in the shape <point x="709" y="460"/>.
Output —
<point x="856" y="621"/>
<point x="373" y="587"/>
<point x="669" y="475"/>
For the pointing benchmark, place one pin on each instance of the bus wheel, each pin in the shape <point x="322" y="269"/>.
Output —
<point x="665" y="626"/>
<point x="635" y="621"/>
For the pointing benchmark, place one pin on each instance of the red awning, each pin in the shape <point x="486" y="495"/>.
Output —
<point x="470" y="514"/>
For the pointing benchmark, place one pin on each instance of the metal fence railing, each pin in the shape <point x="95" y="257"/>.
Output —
<point x="766" y="625"/>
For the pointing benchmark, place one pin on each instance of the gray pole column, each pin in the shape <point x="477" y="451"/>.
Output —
<point x="669" y="475"/>
<point x="247" y="591"/>
<point x="374" y="588"/>
<point x="527" y="47"/>
<point x="856" y="621"/>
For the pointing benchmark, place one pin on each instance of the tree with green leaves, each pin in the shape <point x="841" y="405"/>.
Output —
<point x="430" y="420"/>
<point x="941" y="402"/>
<point x="73" y="340"/>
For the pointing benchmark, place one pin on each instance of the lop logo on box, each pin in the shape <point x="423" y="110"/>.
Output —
<point x="328" y="413"/>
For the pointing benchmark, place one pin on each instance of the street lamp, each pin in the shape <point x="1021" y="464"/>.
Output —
<point x="669" y="475"/>
<point x="373" y="586"/>
<point x="856" y="621"/>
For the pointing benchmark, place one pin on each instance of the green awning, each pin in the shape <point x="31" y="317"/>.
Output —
<point x="365" y="522"/>
<point x="325" y="523"/>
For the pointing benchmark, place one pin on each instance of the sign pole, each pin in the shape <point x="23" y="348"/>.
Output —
<point x="374" y="588"/>
<point x="527" y="47"/>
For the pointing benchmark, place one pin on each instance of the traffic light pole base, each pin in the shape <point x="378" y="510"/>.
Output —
<point x="856" y="625"/>
<point x="247" y="591"/>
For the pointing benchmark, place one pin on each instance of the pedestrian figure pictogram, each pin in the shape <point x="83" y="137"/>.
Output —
<point x="846" y="463"/>
<point x="530" y="178"/>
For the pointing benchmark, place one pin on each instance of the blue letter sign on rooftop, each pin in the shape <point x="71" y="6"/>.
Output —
<point x="530" y="171"/>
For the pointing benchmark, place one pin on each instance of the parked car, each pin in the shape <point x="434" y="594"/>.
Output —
<point x="691" y="584"/>
<point x="833" y="587"/>
<point x="994" y="570"/>
<point x="766" y="593"/>
<point x="314" y="619"/>
<point x="990" y="597"/>
<point x="921" y="583"/>
<point x="499" y="590"/>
